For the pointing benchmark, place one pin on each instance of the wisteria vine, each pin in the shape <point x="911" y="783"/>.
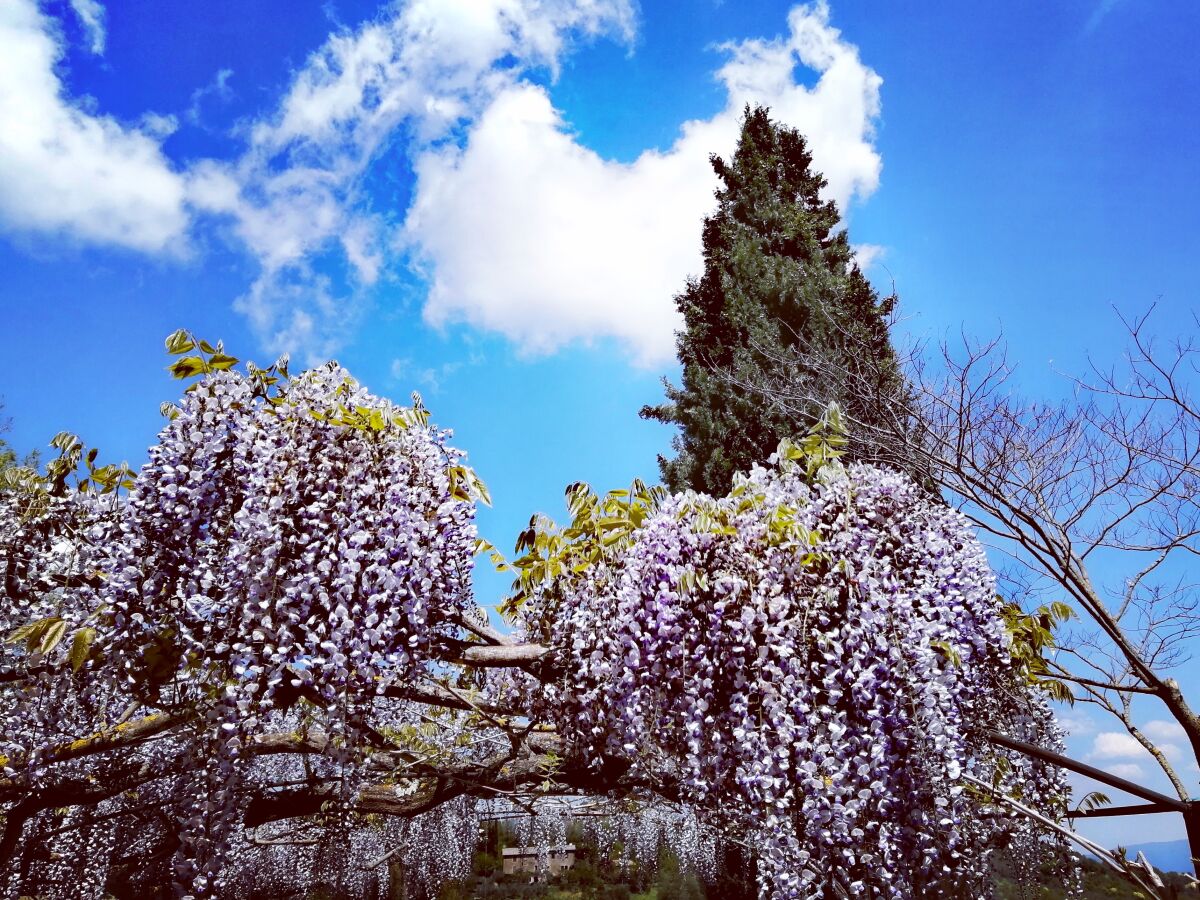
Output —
<point x="274" y="623"/>
<point x="816" y="659"/>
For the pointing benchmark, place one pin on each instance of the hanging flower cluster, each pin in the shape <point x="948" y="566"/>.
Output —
<point x="814" y="658"/>
<point x="53" y="547"/>
<point x="314" y="538"/>
<point x="308" y="540"/>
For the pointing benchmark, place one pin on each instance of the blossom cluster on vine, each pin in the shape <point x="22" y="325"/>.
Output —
<point x="816" y="660"/>
<point x="812" y="663"/>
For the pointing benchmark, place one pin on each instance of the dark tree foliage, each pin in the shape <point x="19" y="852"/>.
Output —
<point x="7" y="456"/>
<point x="780" y="287"/>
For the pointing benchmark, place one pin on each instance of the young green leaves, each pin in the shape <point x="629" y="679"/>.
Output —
<point x="209" y="358"/>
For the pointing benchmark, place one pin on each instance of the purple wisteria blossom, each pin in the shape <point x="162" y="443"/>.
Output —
<point x="281" y="608"/>
<point x="308" y="542"/>
<point x="815" y="660"/>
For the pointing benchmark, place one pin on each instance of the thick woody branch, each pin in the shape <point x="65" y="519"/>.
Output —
<point x="485" y="631"/>
<point x="1140" y="809"/>
<point x="512" y="655"/>
<point x="433" y="694"/>
<point x="128" y="734"/>
<point x="1140" y="872"/>
<point x="75" y="792"/>
<point x="435" y="784"/>
<point x="532" y="657"/>
<point x="1064" y="675"/>
<point x="1116" y="467"/>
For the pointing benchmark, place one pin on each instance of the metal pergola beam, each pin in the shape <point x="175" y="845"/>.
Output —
<point x="1167" y="804"/>
<point x="1141" y="809"/>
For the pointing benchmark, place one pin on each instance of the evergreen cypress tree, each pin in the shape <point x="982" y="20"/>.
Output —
<point x="780" y="288"/>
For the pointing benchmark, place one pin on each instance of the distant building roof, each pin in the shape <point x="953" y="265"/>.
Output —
<point x="534" y="851"/>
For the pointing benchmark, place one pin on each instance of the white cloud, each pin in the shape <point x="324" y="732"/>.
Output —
<point x="1121" y="745"/>
<point x="91" y="16"/>
<point x="430" y="65"/>
<point x="1116" y="745"/>
<point x="159" y="126"/>
<point x="1164" y="730"/>
<point x="527" y="232"/>
<point x="1128" y="771"/>
<point x="520" y="228"/>
<point x="218" y="88"/>
<point x="837" y="115"/>
<point x="1099" y="14"/>
<point x="430" y="378"/>
<point x="296" y="309"/>
<point x="431" y="60"/>
<point x="1074" y="722"/>
<point x="294" y="195"/>
<point x="532" y="235"/>
<point x="866" y="255"/>
<point x="66" y="171"/>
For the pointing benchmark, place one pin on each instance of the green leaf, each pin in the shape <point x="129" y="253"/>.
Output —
<point x="34" y="634"/>
<point x="180" y="342"/>
<point x="81" y="646"/>
<point x="484" y="546"/>
<point x="188" y="367"/>
<point x="65" y="441"/>
<point x="457" y="487"/>
<point x="481" y="490"/>
<point x="1057" y="690"/>
<point x="947" y="651"/>
<point x="28" y="632"/>
<point x="161" y="657"/>
<point x="219" y="362"/>
<point x="1093" y="800"/>
<point x="1061" y="611"/>
<point x="54" y="634"/>
<point x="525" y="539"/>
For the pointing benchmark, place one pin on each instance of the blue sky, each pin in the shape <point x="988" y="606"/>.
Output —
<point x="492" y="201"/>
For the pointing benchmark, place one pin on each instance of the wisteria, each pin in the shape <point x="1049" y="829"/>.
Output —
<point x="816" y="660"/>
<point x="261" y="659"/>
<point x="307" y="543"/>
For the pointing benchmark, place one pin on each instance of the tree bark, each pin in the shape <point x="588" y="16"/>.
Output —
<point x="397" y="879"/>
